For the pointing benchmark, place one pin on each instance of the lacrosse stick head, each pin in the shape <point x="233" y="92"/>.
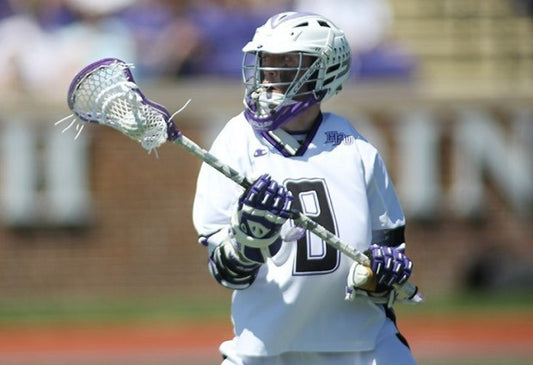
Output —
<point x="105" y="92"/>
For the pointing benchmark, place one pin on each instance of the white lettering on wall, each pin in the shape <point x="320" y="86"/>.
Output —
<point x="440" y="166"/>
<point x="445" y="166"/>
<point x="44" y="176"/>
<point x="484" y="149"/>
<point x="418" y="163"/>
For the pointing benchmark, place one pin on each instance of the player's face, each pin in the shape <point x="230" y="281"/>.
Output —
<point x="279" y="70"/>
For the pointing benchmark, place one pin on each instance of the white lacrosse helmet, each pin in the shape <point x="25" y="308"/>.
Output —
<point x="304" y="34"/>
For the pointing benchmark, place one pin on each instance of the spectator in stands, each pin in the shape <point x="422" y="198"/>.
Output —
<point x="20" y="35"/>
<point x="166" y="38"/>
<point x="523" y="7"/>
<point x="225" y="26"/>
<point x="367" y="26"/>
<point x="42" y="53"/>
<point x="6" y="9"/>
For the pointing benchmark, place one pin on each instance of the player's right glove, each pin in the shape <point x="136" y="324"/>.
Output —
<point x="262" y="210"/>
<point x="230" y="268"/>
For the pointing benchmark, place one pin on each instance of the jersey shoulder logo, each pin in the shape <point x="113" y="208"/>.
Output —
<point x="260" y="152"/>
<point x="336" y="138"/>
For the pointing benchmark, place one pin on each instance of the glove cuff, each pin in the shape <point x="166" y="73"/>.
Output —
<point x="388" y="297"/>
<point x="237" y="257"/>
<point x="230" y="268"/>
<point x="245" y="239"/>
<point x="257" y="255"/>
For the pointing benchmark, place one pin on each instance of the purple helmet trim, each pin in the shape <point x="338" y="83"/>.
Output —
<point x="173" y="132"/>
<point x="281" y="116"/>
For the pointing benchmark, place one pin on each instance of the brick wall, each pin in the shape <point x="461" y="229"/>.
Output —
<point x="140" y="238"/>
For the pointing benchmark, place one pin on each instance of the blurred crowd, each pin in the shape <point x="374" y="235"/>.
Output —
<point x="45" y="42"/>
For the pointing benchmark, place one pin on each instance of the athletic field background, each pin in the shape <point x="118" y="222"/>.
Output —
<point x="470" y="329"/>
<point x="99" y="262"/>
<point x="128" y="284"/>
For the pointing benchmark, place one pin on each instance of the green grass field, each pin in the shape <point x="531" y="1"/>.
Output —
<point x="84" y="310"/>
<point x="186" y="309"/>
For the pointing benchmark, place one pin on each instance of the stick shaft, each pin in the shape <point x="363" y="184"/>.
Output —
<point x="408" y="290"/>
<point x="212" y="161"/>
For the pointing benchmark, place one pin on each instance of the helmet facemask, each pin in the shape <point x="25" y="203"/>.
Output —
<point x="270" y="101"/>
<point x="319" y="56"/>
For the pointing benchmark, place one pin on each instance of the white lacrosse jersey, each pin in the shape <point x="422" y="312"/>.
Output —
<point x="297" y="301"/>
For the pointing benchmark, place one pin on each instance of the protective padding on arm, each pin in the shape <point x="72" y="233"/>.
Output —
<point x="392" y="237"/>
<point x="229" y="268"/>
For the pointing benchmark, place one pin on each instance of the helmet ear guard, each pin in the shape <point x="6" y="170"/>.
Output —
<point x="304" y="34"/>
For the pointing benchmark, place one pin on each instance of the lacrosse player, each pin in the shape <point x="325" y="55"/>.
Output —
<point x="296" y="300"/>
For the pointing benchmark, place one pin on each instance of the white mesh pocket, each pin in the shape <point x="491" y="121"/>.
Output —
<point x="106" y="95"/>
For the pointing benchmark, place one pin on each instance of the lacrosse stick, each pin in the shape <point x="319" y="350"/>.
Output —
<point x="105" y="93"/>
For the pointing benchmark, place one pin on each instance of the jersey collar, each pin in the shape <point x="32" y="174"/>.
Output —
<point x="286" y="144"/>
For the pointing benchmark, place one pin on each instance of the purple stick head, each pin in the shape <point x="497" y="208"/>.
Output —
<point x="85" y="90"/>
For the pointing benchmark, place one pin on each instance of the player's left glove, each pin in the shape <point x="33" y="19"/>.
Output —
<point x="389" y="266"/>
<point x="262" y="210"/>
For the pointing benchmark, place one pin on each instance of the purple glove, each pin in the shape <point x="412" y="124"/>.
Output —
<point x="262" y="210"/>
<point x="390" y="265"/>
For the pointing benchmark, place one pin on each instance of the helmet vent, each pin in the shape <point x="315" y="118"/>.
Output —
<point x="333" y="68"/>
<point x="304" y="24"/>
<point x="329" y="80"/>
<point x="323" y="24"/>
